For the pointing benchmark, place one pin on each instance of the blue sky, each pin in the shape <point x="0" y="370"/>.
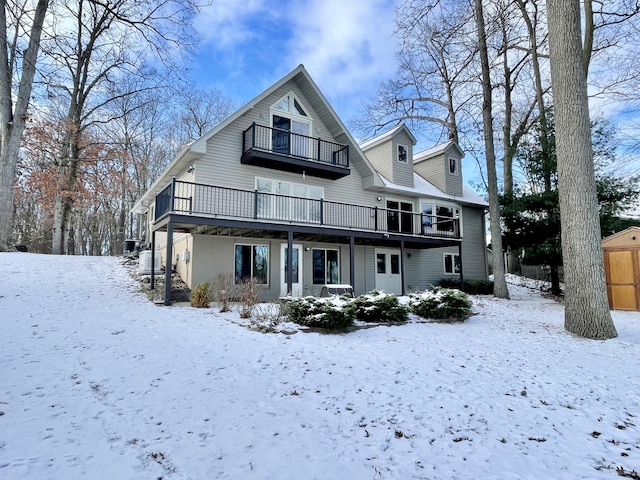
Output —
<point x="347" y="46"/>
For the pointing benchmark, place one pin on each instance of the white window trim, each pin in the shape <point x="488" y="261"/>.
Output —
<point x="243" y="244"/>
<point x="292" y="113"/>
<point x="400" y="202"/>
<point x="453" y="263"/>
<point x="457" y="163"/>
<point x="406" y="149"/>
<point x="325" y="250"/>
<point x="307" y="187"/>
<point x="435" y="203"/>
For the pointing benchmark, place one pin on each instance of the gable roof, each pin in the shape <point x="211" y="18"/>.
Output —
<point x="632" y="233"/>
<point x="387" y="135"/>
<point x="327" y="114"/>
<point x="436" y="150"/>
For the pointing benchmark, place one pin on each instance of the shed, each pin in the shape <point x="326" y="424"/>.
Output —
<point x="622" y="268"/>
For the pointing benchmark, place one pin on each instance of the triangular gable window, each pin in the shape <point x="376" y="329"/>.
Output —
<point x="290" y="104"/>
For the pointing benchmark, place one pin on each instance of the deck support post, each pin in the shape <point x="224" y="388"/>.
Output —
<point x="168" y="263"/>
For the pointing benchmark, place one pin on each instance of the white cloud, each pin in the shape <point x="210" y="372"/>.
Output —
<point x="347" y="47"/>
<point x="224" y="23"/>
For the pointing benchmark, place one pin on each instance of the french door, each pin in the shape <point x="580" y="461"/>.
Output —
<point x="388" y="270"/>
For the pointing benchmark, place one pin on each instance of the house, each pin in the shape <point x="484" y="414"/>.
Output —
<point x="622" y="269"/>
<point x="283" y="174"/>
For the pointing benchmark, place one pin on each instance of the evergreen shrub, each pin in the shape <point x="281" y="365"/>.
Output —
<point x="328" y="313"/>
<point x="378" y="307"/>
<point x="441" y="304"/>
<point x="471" y="287"/>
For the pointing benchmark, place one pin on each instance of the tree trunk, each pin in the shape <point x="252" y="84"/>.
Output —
<point x="586" y="307"/>
<point x="500" y="289"/>
<point x="12" y="120"/>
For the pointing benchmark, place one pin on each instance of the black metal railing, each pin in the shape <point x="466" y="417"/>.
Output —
<point x="287" y="143"/>
<point x="222" y="202"/>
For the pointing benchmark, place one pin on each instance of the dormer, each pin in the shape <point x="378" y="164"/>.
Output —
<point x="441" y="165"/>
<point x="392" y="155"/>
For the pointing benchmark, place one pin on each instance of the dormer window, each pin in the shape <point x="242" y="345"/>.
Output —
<point x="402" y="153"/>
<point x="453" y="166"/>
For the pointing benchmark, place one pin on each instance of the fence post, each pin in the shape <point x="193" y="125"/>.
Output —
<point x="322" y="211"/>
<point x="375" y="221"/>
<point x="255" y="203"/>
<point x="172" y="200"/>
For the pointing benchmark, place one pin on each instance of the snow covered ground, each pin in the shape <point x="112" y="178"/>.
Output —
<point x="96" y="382"/>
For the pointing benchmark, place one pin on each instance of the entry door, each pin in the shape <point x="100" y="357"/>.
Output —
<point x="296" y="285"/>
<point x="388" y="270"/>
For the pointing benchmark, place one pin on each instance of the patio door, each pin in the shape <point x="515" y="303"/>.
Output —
<point x="290" y="137"/>
<point x="388" y="274"/>
<point x="296" y="284"/>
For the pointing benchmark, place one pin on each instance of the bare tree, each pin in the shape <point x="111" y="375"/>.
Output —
<point x="500" y="289"/>
<point x="108" y="42"/>
<point x="586" y="307"/>
<point x="435" y="77"/>
<point x="199" y="111"/>
<point x="13" y="27"/>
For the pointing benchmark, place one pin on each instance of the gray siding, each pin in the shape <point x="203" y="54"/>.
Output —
<point x="213" y="255"/>
<point x="221" y="164"/>
<point x="402" y="172"/>
<point x="432" y="170"/>
<point x="426" y="267"/>
<point x="474" y="248"/>
<point x="453" y="182"/>
<point x="380" y="157"/>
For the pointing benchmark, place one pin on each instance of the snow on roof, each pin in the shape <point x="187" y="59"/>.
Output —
<point x="425" y="188"/>
<point x="435" y="150"/>
<point x="381" y="138"/>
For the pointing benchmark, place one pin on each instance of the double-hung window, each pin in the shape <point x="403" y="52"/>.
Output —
<point x="402" y="154"/>
<point x="451" y="263"/>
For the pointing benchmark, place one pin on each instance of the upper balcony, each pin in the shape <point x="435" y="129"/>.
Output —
<point x="285" y="150"/>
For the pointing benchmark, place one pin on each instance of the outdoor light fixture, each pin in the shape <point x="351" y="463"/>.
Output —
<point x="379" y="199"/>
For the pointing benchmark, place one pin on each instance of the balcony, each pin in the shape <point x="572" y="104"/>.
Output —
<point x="199" y="200"/>
<point x="292" y="152"/>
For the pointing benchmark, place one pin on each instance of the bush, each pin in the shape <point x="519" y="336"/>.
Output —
<point x="328" y="312"/>
<point x="471" y="287"/>
<point x="441" y="303"/>
<point x="250" y="291"/>
<point x="201" y="295"/>
<point x="379" y="307"/>
<point x="224" y="290"/>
